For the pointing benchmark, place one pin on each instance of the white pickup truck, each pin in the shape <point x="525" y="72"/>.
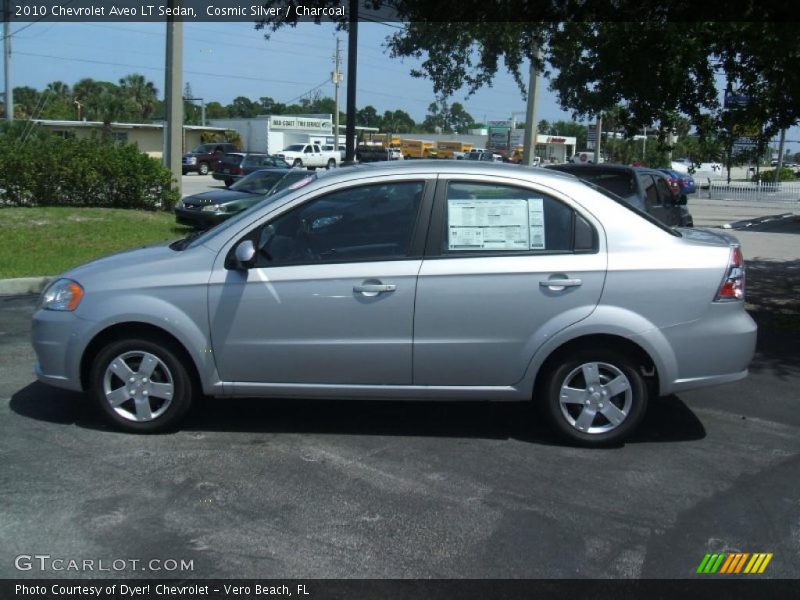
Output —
<point x="310" y="156"/>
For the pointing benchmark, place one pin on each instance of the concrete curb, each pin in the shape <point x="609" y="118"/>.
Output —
<point x="23" y="285"/>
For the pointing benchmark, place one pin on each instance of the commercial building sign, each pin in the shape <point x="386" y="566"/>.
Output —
<point x="289" y="123"/>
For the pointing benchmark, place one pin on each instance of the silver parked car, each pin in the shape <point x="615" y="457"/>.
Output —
<point x="409" y="280"/>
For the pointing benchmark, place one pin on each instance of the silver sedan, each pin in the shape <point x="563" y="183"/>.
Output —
<point x="441" y="280"/>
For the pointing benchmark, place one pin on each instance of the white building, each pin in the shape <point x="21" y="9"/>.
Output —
<point x="273" y="133"/>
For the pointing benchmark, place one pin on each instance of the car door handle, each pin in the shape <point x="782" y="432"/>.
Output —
<point x="560" y="283"/>
<point x="374" y="288"/>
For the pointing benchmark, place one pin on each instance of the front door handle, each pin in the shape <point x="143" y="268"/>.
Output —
<point x="559" y="284"/>
<point x="373" y="289"/>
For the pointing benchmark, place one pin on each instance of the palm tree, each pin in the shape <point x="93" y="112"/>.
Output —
<point x="143" y="93"/>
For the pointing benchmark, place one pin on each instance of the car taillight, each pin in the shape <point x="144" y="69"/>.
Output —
<point x="237" y="170"/>
<point x="732" y="287"/>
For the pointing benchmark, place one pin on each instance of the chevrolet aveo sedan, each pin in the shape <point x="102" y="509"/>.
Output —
<point x="410" y="280"/>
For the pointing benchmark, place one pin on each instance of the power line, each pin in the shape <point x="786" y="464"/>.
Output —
<point x="161" y="69"/>
<point x="24" y="27"/>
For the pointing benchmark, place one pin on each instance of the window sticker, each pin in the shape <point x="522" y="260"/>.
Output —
<point x="536" y="223"/>
<point x="496" y="224"/>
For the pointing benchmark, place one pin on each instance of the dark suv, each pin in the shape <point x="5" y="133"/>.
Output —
<point x="235" y="165"/>
<point x="205" y="157"/>
<point x="646" y="189"/>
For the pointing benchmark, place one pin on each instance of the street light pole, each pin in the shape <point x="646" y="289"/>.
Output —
<point x="529" y="149"/>
<point x="7" y="62"/>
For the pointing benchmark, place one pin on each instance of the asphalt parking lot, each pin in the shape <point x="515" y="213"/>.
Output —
<point x="309" y="489"/>
<point x="261" y="489"/>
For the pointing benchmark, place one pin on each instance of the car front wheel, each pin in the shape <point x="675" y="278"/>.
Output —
<point x="595" y="397"/>
<point x="141" y="385"/>
<point x="203" y="169"/>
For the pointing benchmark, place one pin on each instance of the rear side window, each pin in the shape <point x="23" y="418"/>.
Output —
<point x="650" y="190"/>
<point x="253" y="160"/>
<point x="231" y="159"/>
<point x="486" y="218"/>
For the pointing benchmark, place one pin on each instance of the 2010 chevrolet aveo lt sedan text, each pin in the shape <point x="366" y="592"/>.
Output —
<point x="415" y="280"/>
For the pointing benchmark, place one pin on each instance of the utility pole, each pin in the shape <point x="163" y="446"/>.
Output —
<point x="337" y="79"/>
<point x="7" y="62"/>
<point x="352" y="62"/>
<point x="598" y="144"/>
<point x="781" y="145"/>
<point x="173" y="100"/>
<point x="529" y="149"/>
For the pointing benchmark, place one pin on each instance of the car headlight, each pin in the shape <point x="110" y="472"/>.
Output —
<point x="213" y="208"/>
<point x="192" y="160"/>
<point x="62" y="294"/>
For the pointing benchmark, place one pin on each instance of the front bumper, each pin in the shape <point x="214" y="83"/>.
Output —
<point x="57" y="340"/>
<point x="199" y="219"/>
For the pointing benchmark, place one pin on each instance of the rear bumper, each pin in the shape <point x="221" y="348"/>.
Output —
<point x="715" y="349"/>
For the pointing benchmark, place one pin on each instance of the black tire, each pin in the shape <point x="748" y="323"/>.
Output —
<point x="609" y="364"/>
<point x="184" y="171"/>
<point x="170" y="370"/>
<point x="297" y="163"/>
<point x="228" y="182"/>
<point x="331" y="164"/>
<point x="202" y="168"/>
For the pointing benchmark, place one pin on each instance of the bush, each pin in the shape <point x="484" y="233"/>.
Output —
<point x="45" y="170"/>
<point x="786" y="174"/>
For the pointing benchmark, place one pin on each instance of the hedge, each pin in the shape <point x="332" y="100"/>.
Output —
<point x="768" y="176"/>
<point x="46" y="170"/>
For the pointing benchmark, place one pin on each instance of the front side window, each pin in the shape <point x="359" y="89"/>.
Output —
<point x="491" y="218"/>
<point x="364" y="223"/>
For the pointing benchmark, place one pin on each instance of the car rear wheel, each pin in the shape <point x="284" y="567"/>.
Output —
<point x="228" y="182"/>
<point x="203" y="169"/>
<point x="331" y="164"/>
<point x="595" y="397"/>
<point x="141" y="385"/>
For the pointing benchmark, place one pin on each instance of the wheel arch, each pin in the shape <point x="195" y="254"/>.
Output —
<point x="641" y="357"/>
<point x="132" y="329"/>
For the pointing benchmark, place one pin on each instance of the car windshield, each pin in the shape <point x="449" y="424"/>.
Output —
<point x="195" y="239"/>
<point x="259" y="182"/>
<point x="203" y="148"/>
<point x="295" y="148"/>
<point x="621" y="201"/>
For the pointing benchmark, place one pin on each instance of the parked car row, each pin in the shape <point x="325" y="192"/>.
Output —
<point x="410" y="280"/>
<point x="648" y="190"/>
<point x="236" y="165"/>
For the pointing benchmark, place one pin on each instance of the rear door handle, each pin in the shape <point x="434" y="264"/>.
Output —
<point x="560" y="284"/>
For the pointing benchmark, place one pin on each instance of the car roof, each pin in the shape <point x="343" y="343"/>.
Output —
<point x="448" y="167"/>
<point x="604" y="168"/>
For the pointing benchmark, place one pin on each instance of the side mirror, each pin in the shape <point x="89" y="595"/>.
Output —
<point x="244" y="254"/>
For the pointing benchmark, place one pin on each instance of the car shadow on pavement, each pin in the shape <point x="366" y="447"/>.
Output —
<point x="774" y="304"/>
<point x="668" y="419"/>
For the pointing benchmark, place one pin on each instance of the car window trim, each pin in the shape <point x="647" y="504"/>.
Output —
<point x="419" y="230"/>
<point x="438" y="222"/>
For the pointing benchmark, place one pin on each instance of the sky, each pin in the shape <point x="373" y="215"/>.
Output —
<point x="225" y="60"/>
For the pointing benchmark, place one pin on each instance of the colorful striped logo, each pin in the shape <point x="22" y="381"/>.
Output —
<point x="737" y="562"/>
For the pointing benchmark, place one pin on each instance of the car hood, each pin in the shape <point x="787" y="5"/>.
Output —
<point x="217" y="197"/>
<point x="140" y="267"/>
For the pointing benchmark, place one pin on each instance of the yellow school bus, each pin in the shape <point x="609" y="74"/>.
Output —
<point x="449" y="148"/>
<point x="418" y="149"/>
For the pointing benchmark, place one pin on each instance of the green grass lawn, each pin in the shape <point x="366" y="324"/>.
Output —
<point x="49" y="240"/>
